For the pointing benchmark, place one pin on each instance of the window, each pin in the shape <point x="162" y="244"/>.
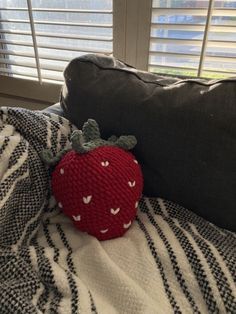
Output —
<point x="39" y="37"/>
<point x="195" y="38"/>
<point x="179" y="37"/>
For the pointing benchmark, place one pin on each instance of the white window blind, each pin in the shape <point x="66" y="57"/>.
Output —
<point x="195" y="38"/>
<point x="180" y="37"/>
<point x="39" y="37"/>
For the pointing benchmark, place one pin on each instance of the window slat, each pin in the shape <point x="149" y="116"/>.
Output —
<point x="15" y="32"/>
<point x="59" y="10"/>
<point x="222" y="44"/>
<point x="193" y="56"/>
<point x="16" y="53"/>
<point x="154" y="66"/>
<point x="21" y="64"/>
<point x="82" y="49"/>
<point x="14" y="21"/>
<point x="177" y="26"/>
<point x="193" y="42"/>
<point x="177" y="55"/>
<point x="193" y="11"/>
<point x="57" y="47"/>
<point x="57" y="23"/>
<point x="34" y="76"/>
<point x="194" y="27"/>
<point x="163" y="40"/>
<point x="74" y="36"/>
<point x="31" y="55"/>
<point x="18" y="43"/>
<point x="179" y="11"/>
<point x="57" y="35"/>
<point x="97" y="25"/>
<point x="30" y="64"/>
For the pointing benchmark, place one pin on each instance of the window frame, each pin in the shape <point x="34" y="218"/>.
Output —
<point x="49" y="92"/>
<point x="132" y="20"/>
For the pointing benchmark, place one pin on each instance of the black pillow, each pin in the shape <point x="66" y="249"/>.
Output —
<point x="186" y="129"/>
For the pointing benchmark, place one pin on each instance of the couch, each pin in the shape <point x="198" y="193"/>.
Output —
<point x="179" y="254"/>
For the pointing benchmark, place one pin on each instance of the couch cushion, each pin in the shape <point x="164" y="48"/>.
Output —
<point x="186" y="129"/>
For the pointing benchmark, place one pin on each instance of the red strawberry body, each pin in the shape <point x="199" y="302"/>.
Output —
<point x="99" y="190"/>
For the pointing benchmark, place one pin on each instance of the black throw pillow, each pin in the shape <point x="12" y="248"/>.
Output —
<point x="186" y="129"/>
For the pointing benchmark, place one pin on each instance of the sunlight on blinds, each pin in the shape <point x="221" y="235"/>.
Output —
<point x="56" y="32"/>
<point x="177" y="38"/>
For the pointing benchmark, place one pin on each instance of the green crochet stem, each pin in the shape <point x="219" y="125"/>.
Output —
<point x="88" y="139"/>
<point x="48" y="158"/>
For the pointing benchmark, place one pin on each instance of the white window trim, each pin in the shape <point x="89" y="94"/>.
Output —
<point x="131" y="31"/>
<point x="119" y="28"/>
<point x="45" y="92"/>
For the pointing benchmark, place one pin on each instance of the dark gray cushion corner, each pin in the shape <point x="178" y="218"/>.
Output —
<point x="186" y="129"/>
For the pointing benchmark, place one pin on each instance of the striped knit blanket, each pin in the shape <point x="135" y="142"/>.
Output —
<point x="170" y="261"/>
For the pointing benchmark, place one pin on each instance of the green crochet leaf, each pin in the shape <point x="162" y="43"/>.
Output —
<point x="89" y="139"/>
<point x="48" y="158"/>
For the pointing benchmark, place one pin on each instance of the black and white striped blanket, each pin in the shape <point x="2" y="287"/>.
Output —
<point x="170" y="261"/>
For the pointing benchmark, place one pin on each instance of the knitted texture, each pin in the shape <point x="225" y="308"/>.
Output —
<point x="89" y="138"/>
<point x="99" y="190"/>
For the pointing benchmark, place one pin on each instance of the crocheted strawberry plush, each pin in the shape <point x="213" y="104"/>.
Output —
<point x="98" y="183"/>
